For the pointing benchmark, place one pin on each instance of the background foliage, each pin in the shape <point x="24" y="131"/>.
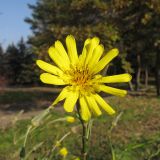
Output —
<point x="133" y="27"/>
<point x="130" y="25"/>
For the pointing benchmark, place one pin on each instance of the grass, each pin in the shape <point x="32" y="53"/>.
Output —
<point x="136" y="136"/>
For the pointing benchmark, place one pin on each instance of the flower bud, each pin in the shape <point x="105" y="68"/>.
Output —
<point x="70" y="119"/>
<point x="63" y="152"/>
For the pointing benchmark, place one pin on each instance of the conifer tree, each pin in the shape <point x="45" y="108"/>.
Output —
<point x="19" y="64"/>
<point x="52" y="20"/>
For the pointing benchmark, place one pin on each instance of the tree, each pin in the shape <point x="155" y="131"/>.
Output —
<point x="20" y="64"/>
<point x="27" y="74"/>
<point x="139" y="27"/>
<point x="52" y="19"/>
<point x="12" y="61"/>
<point x="130" y="25"/>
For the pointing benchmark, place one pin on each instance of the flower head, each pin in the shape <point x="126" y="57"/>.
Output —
<point x="70" y="119"/>
<point x="77" y="158"/>
<point x="79" y="73"/>
<point x="63" y="152"/>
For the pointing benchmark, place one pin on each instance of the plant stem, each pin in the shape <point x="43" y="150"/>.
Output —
<point x="84" y="131"/>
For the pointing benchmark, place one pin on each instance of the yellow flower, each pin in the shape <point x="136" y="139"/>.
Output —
<point x="79" y="75"/>
<point x="63" y="152"/>
<point x="70" y="119"/>
<point x="77" y="158"/>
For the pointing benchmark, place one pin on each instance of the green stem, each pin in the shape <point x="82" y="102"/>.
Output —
<point x="50" y="154"/>
<point x="112" y="149"/>
<point x="114" y="124"/>
<point x="84" y="139"/>
<point x="26" y="136"/>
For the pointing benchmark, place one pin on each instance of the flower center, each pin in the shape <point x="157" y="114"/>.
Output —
<point x="80" y="77"/>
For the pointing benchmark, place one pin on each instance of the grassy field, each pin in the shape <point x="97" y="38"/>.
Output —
<point x="135" y="137"/>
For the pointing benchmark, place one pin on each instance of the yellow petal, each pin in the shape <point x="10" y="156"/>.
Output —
<point x="51" y="79"/>
<point x="85" y="113"/>
<point x="48" y="67"/>
<point x="103" y="104"/>
<point x="105" y="60"/>
<point x="91" y="46"/>
<point x="61" y="96"/>
<point x="82" y="57"/>
<point x="116" y="78"/>
<point x="62" y="51"/>
<point x="111" y="90"/>
<point x="97" y="53"/>
<point x="70" y="101"/>
<point x="93" y="105"/>
<point x="72" y="49"/>
<point x="87" y="41"/>
<point x="59" y="61"/>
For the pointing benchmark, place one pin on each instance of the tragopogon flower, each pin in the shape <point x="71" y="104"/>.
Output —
<point x="79" y="75"/>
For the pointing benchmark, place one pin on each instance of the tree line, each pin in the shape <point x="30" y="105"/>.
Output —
<point x="17" y="65"/>
<point x="132" y="26"/>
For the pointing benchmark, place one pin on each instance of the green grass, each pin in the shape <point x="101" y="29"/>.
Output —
<point x="136" y="136"/>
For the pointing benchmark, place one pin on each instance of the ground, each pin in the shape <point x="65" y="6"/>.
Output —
<point x="23" y="102"/>
<point x="136" y="134"/>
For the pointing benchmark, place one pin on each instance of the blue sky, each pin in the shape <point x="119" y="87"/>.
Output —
<point x="12" y="25"/>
